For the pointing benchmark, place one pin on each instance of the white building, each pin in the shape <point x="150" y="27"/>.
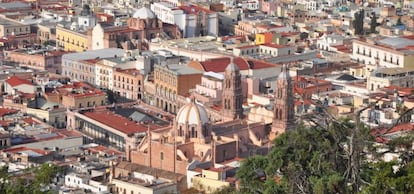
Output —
<point x="385" y="77"/>
<point x="210" y="89"/>
<point x="385" y="52"/>
<point x="104" y="70"/>
<point x="73" y="67"/>
<point x="190" y="19"/>
<point x="15" y="84"/>
<point x="250" y="4"/>
<point x="85" y="181"/>
<point x="143" y="183"/>
<point x="327" y="41"/>
<point x="228" y="3"/>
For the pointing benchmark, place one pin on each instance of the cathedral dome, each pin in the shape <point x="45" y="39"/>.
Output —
<point x="192" y="114"/>
<point x="144" y="13"/>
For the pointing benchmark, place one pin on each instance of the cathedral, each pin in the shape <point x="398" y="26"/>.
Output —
<point x="192" y="137"/>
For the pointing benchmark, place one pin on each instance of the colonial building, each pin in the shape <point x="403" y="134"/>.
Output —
<point x="73" y="37"/>
<point x="76" y="95"/>
<point x="11" y="27"/>
<point x="49" y="60"/>
<point x="384" y="77"/>
<point x="80" y="66"/>
<point x="172" y="81"/>
<point x="103" y="126"/>
<point x="211" y="88"/>
<point x="284" y="107"/>
<point x="142" y="27"/>
<point x="193" y="137"/>
<point x="192" y="20"/>
<point x="129" y="83"/>
<point x="232" y="99"/>
<point x="384" y="52"/>
<point x="104" y="70"/>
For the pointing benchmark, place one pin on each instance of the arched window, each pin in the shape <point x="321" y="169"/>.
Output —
<point x="277" y="114"/>
<point x="280" y="114"/>
<point x="180" y="131"/>
<point x="205" y="131"/>
<point x="193" y="132"/>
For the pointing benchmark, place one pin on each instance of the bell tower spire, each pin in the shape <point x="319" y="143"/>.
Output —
<point x="232" y="97"/>
<point x="283" y="108"/>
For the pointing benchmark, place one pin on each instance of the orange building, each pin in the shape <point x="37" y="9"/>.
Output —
<point x="171" y="81"/>
<point x="305" y="87"/>
<point x="264" y="38"/>
<point x="128" y="83"/>
<point x="77" y="95"/>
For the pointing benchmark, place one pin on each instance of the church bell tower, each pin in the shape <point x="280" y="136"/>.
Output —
<point x="283" y="108"/>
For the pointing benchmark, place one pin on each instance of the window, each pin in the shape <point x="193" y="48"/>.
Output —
<point x="162" y="155"/>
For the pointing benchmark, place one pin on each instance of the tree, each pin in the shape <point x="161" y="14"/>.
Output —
<point x="250" y="174"/>
<point x="358" y="22"/>
<point x="25" y="182"/>
<point x="226" y="190"/>
<point x="389" y="177"/>
<point x="304" y="35"/>
<point x="399" y="22"/>
<point x="111" y="96"/>
<point x="374" y="23"/>
<point x="310" y="160"/>
<point x="46" y="43"/>
<point x="46" y="173"/>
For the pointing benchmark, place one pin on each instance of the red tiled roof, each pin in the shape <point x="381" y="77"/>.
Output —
<point x="16" y="81"/>
<point x="30" y="121"/>
<point x="116" y="121"/>
<point x="403" y="127"/>
<point x="104" y="149"/>
<point x="128" y="71"/>
<point x="22" y="149"/>
<point x="5" y="123"/>
<point x="69" y="133"/>
<point x="6" y="111"/>
<point x="248" y="46"/>
<point x="241" y="38"/>
<point x="257" y="64"/>
<point x="87" y="90"/>
<point x="193" y="9"/>
<point x="274" y="45"/>
<point x="220" y="64"/>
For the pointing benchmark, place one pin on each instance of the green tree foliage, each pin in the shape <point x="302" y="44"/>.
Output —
<point x="309" y="159"/>
<point x="358" y="22"/>
<point x="111" y="96"/>
<point x="32" y="181"/>
<point x="374" y="23"/>
<point x="390" y="177"/>
<point x="317" y="160"/>
<point x="399" y="22"/>
<point x="250" y="172"/>
<point x="226" y="190"/>
<point x="46" y="173"/>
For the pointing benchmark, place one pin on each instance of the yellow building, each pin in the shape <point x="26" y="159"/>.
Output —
<point x="264" y="38"/>
<point x="211" y="180"/>
<point x="71" y="40"/>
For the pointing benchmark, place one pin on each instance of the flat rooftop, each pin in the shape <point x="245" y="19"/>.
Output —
<point x="93" y="54"/>
<point x="203" y="43"/>
<point x="6" y="22"/>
